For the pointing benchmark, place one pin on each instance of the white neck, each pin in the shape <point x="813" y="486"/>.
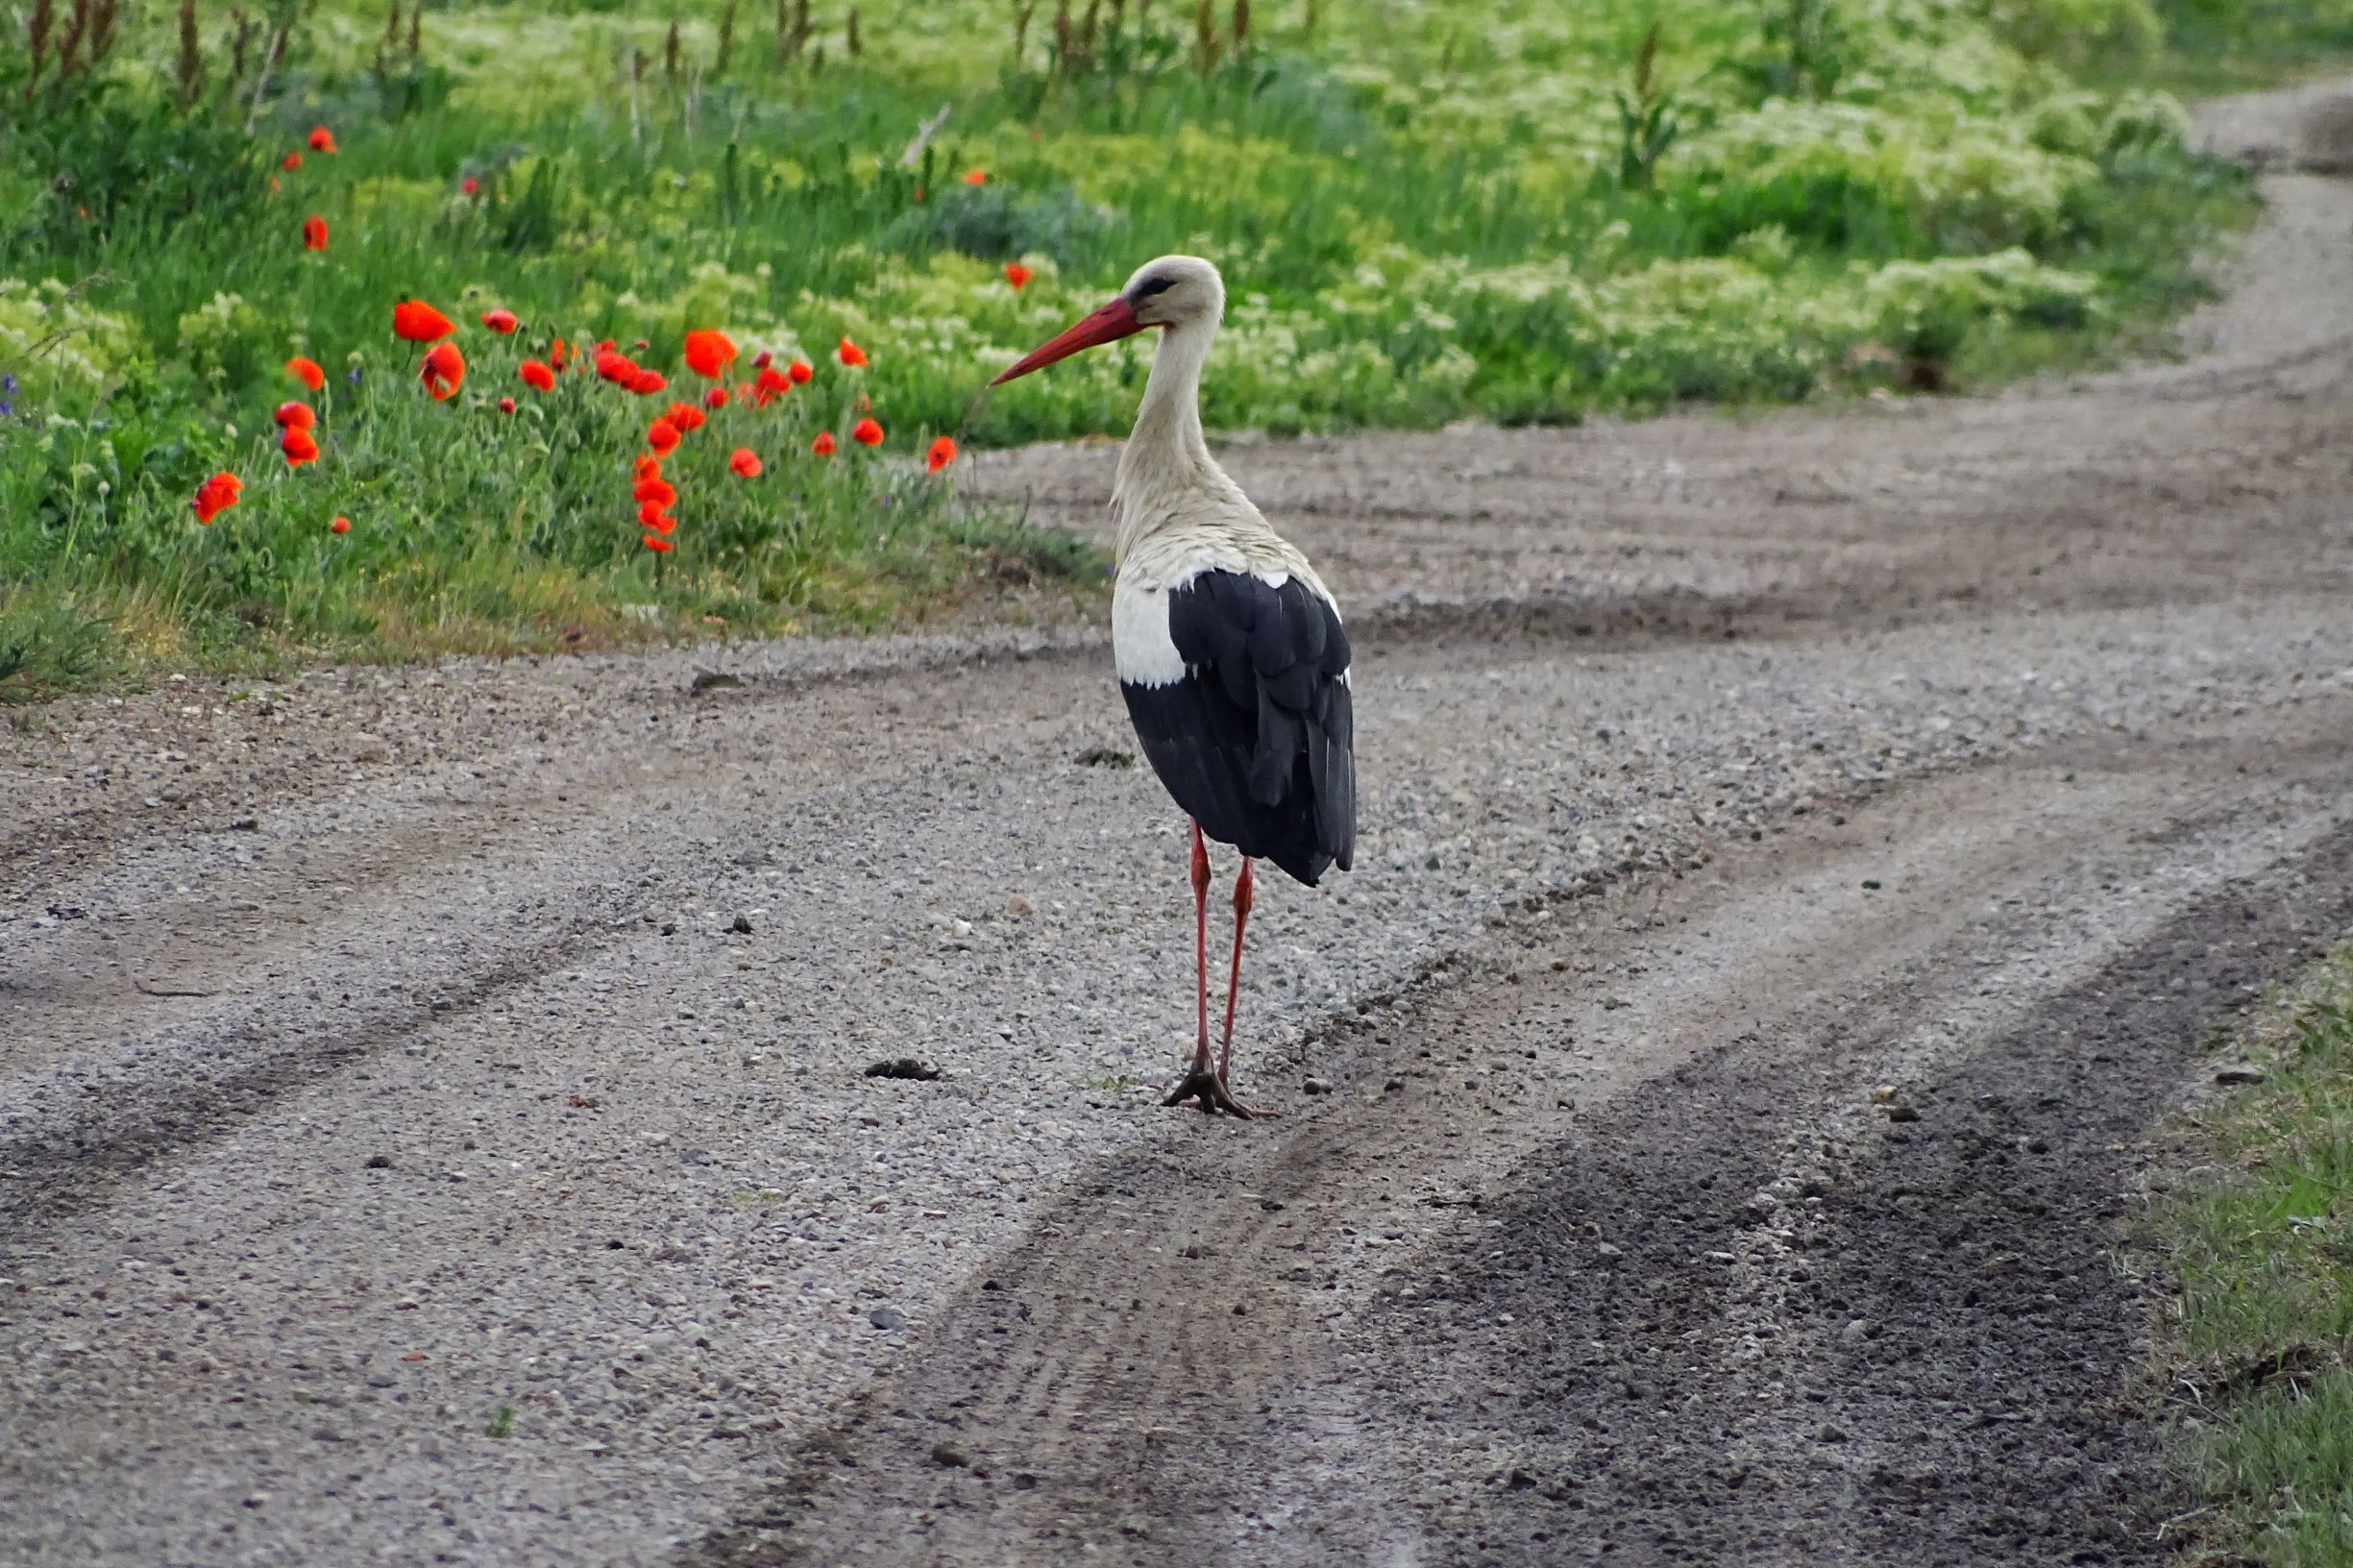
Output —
<point x="1166" y="452"/>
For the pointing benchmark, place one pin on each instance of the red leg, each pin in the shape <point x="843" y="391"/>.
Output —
<point x="1199" y="1086"/>
<point x="1201" y="949"/>
<point x="1234" y="985"/>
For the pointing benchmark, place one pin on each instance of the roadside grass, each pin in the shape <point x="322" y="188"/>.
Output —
<point x="2258" y="1245"/>
<point x="1522" y="211"/>
<point x="2219" y="46"/>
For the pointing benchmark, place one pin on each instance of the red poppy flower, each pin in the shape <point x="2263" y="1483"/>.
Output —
<point x="822" y="445"/>
<point x="443" y="372"/>
<point x="1017" y="275"/>
<point x="647" y="382"/>
<point x="746" y="462"/>
<point x="470" y="185"/>
<point x="976" y="176"/>
<point x="800" y="370"/>
<point x="664" y="522"/>
<point x="341" y="524"/>
<point x="418" y="322"/>
<point x="215" y="496"/>
<point x="618" y="368"/>
<point x="322" y="139"/>
<point x="500" y="322"/>
<point x="686" y="416"/>
<point x="557" y="353"/>
<point x="654" y="515"/>
<point x="867" y="434"/>
<point x="707" y="354"/>
<point x="943" y="453"/>
<point x="294" y="416"/>
<point x="307" y="372"/>
<point x="507" y="405"/>
<point x="663" y="437"/>
<point x="536" y="376"/>
<point x="763" y="360"/>
<point x="655" y="490"/>
<point x="315" y="233"/>
<point x="773" y="382"/>
<point x="292" y="160"/>
<point x="298" y="446"/>
<point x="716" y="397"/>
<point x="851" y="354"/>
<point x="656" y="543"/>
<point x="647" y="466"/>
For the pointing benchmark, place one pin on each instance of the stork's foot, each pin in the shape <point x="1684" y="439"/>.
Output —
<point x="1206" y="1089"/>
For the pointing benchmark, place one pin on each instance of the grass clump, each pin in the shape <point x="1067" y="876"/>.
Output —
<point x="2259" y="1247"/>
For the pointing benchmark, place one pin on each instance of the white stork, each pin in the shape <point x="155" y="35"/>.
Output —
<point x="1229" y="647"/>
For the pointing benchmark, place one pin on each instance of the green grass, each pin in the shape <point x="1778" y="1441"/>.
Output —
<point x="1424" y="211"/>
<point x="2259" y="1246"/>
<point x="2215" y="46"/>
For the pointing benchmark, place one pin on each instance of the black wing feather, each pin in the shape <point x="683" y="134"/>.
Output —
<point x="1257" y="742"/>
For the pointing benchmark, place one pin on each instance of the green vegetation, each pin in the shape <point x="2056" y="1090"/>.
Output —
<point x="1526" y="212"/>
<point x="2212" y="46"/>
<point x="2261" y="1250"/>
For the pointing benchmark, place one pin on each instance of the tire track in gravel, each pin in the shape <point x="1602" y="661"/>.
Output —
<point x="1611" y="1173"/>
<point x="532" y="1076"/>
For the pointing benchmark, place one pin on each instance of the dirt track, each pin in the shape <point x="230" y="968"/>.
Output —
<point x="379" y="1052"/>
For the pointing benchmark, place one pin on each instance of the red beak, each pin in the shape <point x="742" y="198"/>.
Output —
<point x="1113" y="321"/>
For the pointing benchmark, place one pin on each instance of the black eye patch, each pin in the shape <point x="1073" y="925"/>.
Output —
<point x="1151" y="286"/>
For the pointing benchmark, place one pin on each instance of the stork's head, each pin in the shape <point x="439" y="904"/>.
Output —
<point x="1173" y="292"/>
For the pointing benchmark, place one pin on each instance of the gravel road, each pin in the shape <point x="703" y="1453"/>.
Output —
<point x="1801" y="854"/>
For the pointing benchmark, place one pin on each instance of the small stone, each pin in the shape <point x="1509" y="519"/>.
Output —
<point x="709" y="680"/>
<point x="2241" y="1074"/>
<point x="257" y="1500"/>
<point x="1883" y="1093"/>
<point x="246" y="824"/>
<point x="1019" y="905"/>
<point x="741" y="925"/>
<point x="887" y="1318"/>
<point x="380" y="1162"/>
<point x="1901" y="1112"/>
<point x="1858" y="1330"/>
<point x="1833" y="1434"/>
<point x="904" y="1067"/>
<point x="1316" y="1086"/>
<point x="948" y="1454"/>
